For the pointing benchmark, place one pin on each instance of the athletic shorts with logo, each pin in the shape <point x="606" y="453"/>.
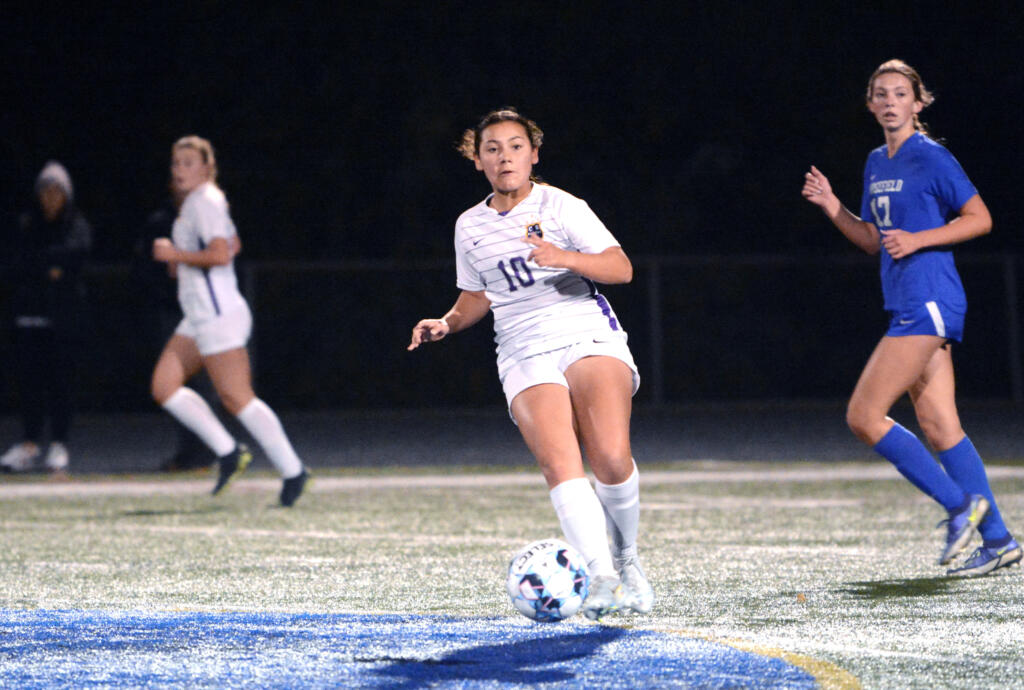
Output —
<point x="930" y="318"/>
<point x="549" y="367"/>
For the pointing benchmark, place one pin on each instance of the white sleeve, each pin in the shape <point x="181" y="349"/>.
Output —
<point x="584" y="229"/>
<point x="466" y="277"/>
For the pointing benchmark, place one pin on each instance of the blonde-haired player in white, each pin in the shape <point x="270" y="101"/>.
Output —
<point x="531" y="253"/>
<point x="216" y="326"/>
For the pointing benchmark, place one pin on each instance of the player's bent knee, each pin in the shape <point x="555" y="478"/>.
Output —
<point x="614" y="459"/>
<point x="864" y="426"/>
<point x="161" y="391"/>
<point x="613" y="472"/>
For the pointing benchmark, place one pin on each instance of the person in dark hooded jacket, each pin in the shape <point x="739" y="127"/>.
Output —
<point x="48" y="249"/>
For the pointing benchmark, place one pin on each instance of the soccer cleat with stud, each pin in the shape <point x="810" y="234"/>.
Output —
<point x="961" y="527"/>
<point x="292" y="488"/>
<point x="639" y="596"/>
<point x="20" y="457"/>
<point x="606" y="596"/>
<point x="986" y="559"/>
<point x="232" y="465"/>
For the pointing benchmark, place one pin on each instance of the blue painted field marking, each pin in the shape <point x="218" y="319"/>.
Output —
<point x="44" y="648"/>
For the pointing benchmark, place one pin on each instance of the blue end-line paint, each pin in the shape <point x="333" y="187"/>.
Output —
<point x="161" y="649"/>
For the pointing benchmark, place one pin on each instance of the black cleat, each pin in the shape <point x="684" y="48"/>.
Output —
<point x="292" y="488"/>
<point x="232" y="465"/>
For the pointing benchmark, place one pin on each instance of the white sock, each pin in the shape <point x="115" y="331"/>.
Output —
<point x="260" y="421"/>
<point x="579" y="512"/>
<point x="621" y="504"/>
<point x="189" y="408"/>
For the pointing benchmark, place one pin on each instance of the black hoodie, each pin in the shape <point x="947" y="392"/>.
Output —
<point x="38" y="297"/>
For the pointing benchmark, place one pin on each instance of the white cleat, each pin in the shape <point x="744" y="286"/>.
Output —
<point x="639" y="596"/>
<point x="57" y="457"/>
<point x="20" y="457"/>
<point x="606" y="596"/>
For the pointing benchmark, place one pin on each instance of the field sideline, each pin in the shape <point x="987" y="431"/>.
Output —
<point x="797" y="574"/>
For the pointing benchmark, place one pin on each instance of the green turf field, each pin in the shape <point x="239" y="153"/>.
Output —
<point x="830" y="566"/>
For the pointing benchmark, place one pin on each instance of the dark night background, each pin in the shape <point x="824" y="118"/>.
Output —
<point x="687" y="129"/>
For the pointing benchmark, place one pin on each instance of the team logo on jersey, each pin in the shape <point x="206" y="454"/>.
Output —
<point x="534" y="230"/>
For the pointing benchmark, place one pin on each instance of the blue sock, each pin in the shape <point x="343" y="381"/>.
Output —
<point x="998" y="543"/>
<point x="964" y="466"/>
<point x="912" y="459"/>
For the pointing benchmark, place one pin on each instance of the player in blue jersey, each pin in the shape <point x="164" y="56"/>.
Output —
<point x="917" y="203"/>
<point x="531" y="254"/>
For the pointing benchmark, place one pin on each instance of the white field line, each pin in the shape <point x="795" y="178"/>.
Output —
<point x="135" y="487"/>
<point x="215" y="531"/>
<point x="720" y="502"/>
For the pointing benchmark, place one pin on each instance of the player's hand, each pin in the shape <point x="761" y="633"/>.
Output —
<point x="818" y="190"/>
<point x="427" y="331"/>
<point x="546" y="254"/>
<point x="164" y="250"/>
<point x="900" y="243"/>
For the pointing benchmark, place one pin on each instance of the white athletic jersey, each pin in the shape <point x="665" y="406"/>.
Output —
<point x="205" y="293"/>
<point x="535" y="309"/>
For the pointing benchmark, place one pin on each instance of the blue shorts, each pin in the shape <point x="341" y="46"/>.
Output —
<point x="931" y="318"/>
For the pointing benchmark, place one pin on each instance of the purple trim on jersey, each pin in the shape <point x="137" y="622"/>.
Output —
<point x="606" y="308"/>
<point x="209" y="283"/>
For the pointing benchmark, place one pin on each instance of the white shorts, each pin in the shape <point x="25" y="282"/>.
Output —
<point x="229" y="331"/>
<point x="549" y="367"/>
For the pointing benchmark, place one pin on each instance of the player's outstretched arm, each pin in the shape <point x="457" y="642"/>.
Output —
<point x="818" y="191"/>
<point x="469" y="308"/>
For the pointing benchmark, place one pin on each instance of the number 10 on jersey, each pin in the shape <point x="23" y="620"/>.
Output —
<point x="520" y="270"/>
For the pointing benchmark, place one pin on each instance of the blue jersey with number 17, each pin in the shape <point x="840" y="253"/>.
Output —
<point x="920" y="188"/>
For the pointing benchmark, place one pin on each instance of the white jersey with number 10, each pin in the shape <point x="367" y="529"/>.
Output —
<point x="535" y="309"/>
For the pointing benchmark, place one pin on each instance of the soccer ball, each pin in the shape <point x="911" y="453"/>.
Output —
<point x="548" y="580"/>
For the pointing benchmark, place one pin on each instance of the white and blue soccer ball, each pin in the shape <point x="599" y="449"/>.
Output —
<point x="548" y="580"/>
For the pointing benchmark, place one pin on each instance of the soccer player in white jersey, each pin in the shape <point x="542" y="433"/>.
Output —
<point x="917" y="203"/>
<point x="216" y="326"/>
<point x="531" y="254"/>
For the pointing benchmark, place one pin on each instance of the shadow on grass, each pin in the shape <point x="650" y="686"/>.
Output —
<point x="172" y="511"/>
<point x="873" y="590"/>
<point x="520" y="661"/>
